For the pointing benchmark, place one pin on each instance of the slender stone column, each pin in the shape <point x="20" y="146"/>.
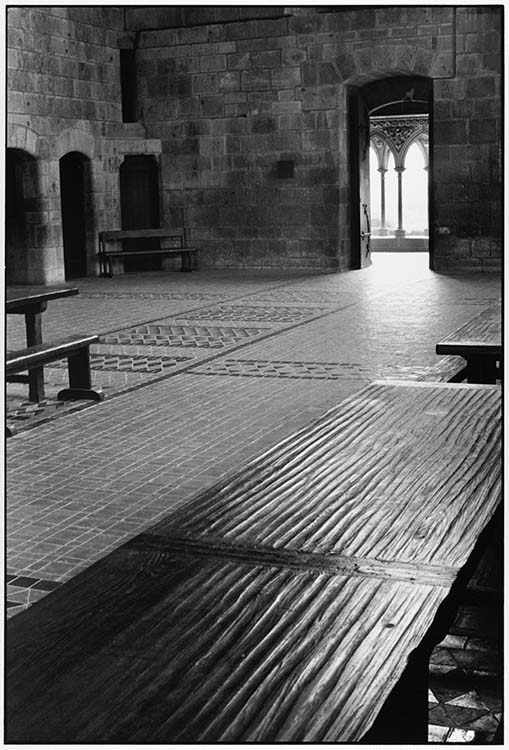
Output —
<point x="400" y="232"/>
<point x="383" y="230"/>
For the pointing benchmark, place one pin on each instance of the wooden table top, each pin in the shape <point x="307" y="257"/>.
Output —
<point x="281" y="605"/>
<point x="17" y="298"/>
<point x="482" y="334"/>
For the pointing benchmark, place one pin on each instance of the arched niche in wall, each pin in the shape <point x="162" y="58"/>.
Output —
<point x="22" y="211"/>
<point x="77" y="211"/>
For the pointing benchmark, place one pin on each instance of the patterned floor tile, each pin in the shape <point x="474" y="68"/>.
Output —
<point x="22" y="414"/>
<point x="286" y="369"/>
<point x="271" y="314"/>
<point x="461" y="736"/>
<point x="207" y="296"/>
<point x="129" y="363"/>
<point x="23" y="591"/>
<point x="437" y="733"/>
<point x="211" y="337"/>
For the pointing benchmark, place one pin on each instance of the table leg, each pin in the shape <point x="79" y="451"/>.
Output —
<point x="36" y="375"/>
<point x="482" y="370"/>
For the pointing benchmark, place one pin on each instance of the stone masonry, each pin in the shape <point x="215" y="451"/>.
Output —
<point x="246" y="110"/>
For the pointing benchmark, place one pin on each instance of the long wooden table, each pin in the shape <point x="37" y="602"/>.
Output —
<point x="32" y="301"/>
<point x="479" y="341"/>
<point x="290" y="602"/>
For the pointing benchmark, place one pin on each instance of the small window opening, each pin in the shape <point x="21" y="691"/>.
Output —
<point x="128" y="84"/>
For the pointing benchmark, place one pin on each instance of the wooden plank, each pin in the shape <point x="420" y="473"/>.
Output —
<point x="19" y="298"/>
<point x="406" y="472"/>
<point x="151" y="647"/>
<point x="480" y="335"/>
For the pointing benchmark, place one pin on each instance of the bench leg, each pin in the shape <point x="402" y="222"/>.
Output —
<point x="105" y="267"/>
<point x="80" y="381"/>
<point x="460" y="376"/>
<point x="186" y="262"/>
<point x="404" y="716"/>
<point x="482" y="370"/>
<point x="36" y="385"/>
<point x="36" y="374"/>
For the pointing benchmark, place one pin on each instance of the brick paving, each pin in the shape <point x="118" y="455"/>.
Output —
<point x="201" y="372"/>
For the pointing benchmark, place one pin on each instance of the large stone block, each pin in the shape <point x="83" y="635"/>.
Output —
<point x="318" y="140"/>
<point x="290" y="122"/>
<point x="451" y="132"/>
<point x="308" y="24"/>
<point x="271" y="28"/>
<point x="245" y="30"/>
<point x="206" y="83"/>
<point x="286" y="78"/>
<point x="292" y="56"/>
<point x="310" y="74"/>
<point x="255" y="79"/>
<point x="263" y="124"/>
<point x="481" y="87"/>
<point x="238" y="61"/>
<point x="266" y="58"/>
<point x="468" y="64"/>
<point x="482" y="131"/>
<point x="319" y="97"/>
<point x="228" y="82"/>
<point x="212" y="62"/>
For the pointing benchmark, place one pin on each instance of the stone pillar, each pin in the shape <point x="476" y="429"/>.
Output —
<point x="383" y="230"/>
<point x="400" y="232"/>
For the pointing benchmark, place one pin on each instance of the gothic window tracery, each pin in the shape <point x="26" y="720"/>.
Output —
<point x="395" y="136"/>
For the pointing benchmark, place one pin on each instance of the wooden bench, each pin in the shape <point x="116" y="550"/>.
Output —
<point x="188" y="254"/>
<point x="479" y="342"/>
<point x="77" y="352"/>
<point x="297" y="600"/>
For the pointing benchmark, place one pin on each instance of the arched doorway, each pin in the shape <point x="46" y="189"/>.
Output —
<point x="139" y="200"/>
<point x="21" y="192"/>
<point x="386" y="117"/>
<point x="74" y="190"/>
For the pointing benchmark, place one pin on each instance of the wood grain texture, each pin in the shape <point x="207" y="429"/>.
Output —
<point x="398" y="472"/>
<point x="219" y="651"/>
<point x="281" y="605"/>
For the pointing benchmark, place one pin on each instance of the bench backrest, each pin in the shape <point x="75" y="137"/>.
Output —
<point x="133" y="234"/>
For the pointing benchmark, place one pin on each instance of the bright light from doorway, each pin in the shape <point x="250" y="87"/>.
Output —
<point x="415" y="193"/>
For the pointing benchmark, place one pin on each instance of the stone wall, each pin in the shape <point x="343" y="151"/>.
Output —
<point x="467" y="133"/>
<point x="247" y="110"/>
<point x="63" y="96"/>
<point x="252" y="116"/>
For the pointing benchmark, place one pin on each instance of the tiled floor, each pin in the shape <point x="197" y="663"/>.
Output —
<point x="201" y="372"/>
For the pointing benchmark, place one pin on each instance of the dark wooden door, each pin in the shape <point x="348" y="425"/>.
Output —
<point x="139" y="196"/>
<point x="72" y="191"/>
<point x="359" y="176"/>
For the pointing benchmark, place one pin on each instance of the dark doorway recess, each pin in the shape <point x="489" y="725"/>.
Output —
<point x="139" y="197"/>
<point x="74" y="176"/>
<point x="21" y="191"/>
